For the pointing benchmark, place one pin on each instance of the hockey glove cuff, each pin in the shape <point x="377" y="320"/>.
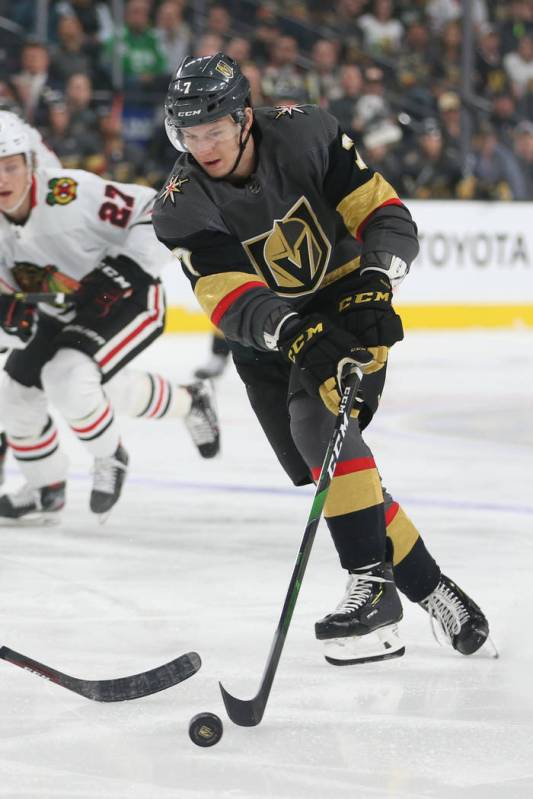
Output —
<point x="323" y="355"/>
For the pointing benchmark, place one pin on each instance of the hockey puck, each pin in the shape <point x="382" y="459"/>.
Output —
<point x="205" y="729"/>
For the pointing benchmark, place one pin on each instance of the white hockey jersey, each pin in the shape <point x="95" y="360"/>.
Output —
<point x="77" y="219"/>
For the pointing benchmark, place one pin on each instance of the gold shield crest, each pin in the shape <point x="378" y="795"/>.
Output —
<point x="293" y="255"/>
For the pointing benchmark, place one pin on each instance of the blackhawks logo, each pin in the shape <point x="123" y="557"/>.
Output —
<point x="62" y="191"/>
<point x="293" y="255"/>
<point x="31" y="277"/>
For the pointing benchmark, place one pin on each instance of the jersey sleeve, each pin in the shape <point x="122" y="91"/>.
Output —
<point x="233" y="296"/>
<point x="369" y="206"/>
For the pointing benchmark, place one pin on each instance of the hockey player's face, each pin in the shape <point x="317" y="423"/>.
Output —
<point x="215" y="145"/>
<point x="14" y="179"/>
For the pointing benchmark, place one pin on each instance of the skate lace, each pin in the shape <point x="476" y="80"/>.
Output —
<point x="358" y="590"/>
<point x="447" y="612"/>
<point x="105" y="474"/>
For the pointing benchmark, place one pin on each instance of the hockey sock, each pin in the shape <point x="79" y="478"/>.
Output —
<point x="147" y="396"/>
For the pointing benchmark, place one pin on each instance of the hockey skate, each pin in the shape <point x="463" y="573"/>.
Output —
<point x="3" y="453"/>
<point x="109" y="476"/>
<point x="33" y="505"/>
<point x="455" y="618"/>
<point x="214" y="367"/>
<point x="363" y="627"/>
<point x="202" y="420"/>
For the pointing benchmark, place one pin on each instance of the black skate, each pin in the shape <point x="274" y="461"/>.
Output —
<point x="202" y="420"/>
<point x="214" y="367"/>
<point x="109" y="475"/>
<point x="3" y="453"/>
<point x="34" y="505"/>
<point x="460" y="621"/>
<point x="363" y="626"/>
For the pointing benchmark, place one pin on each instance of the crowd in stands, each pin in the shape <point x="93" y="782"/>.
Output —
<point x="389" y="70"/>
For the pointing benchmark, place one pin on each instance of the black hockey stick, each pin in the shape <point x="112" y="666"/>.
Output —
<point x="249" y="712"/>
<point x="58" y="298"/>
<point x="118" y="690"/>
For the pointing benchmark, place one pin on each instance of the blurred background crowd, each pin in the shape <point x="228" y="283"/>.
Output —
<point x="437" y="93"/>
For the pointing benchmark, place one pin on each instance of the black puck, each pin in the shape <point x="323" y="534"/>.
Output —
<point x="205" y="729"/>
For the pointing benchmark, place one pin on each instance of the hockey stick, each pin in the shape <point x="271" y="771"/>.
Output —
<point x="249" y="712"/>
<point x="57" y="298"/>
<point x="118" y="690"/>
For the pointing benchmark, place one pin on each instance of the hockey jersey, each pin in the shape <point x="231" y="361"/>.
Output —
<point x="257" y="250"/>
<point x="76" y="220"/>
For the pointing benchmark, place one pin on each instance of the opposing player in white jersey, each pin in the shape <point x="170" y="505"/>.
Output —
<point x="70" y="231"/>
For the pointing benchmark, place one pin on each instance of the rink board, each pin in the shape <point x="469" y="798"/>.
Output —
<point x="475" y="269"/>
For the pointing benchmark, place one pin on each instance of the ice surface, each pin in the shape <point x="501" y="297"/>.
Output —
<point x="198" y="555"/>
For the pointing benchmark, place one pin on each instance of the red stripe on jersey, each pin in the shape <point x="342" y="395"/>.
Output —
<point x="135" y="332"/>
<point x="360" y="229"/>
<point x="33" y="193"/>
<point x="391" y="512"/>
<point x="348" y="467"/>
<point x="90" y="427"/>
<point x="42" y="445"/>
<point x="227" y="301"/>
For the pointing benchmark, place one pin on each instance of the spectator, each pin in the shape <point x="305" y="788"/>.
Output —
<point x="441" y="12"/>
<point x="95" y="18"/>
<point x="253" y="73"/>
<point x="447" y="63"/>
<point x="429" y="171"/>
<point x="382" y="33"/>
<point x="143" y="61"/>
<point x="34" y="88"/>
<point x="79" y="102"/>
<point x="372" y="105"/>
<point x="496" y="172"/>
<point x="11" y="37"/>
<point x="115" y="158"/>
<point x="523" y="150"/>
<point x="519" y="23"/>
<point x="266" y="32"/>
<point x="173" y="33"/>
<point x="71" y="54"/>
<point x="322" y="81"/>
<point x="351" y="83"/>
<point x="519" y="66"/>
<point x="380" y="147"/>
<point x="208" y="44"/>
<point x="504" y="118"/>
<point x="71" y="148"/>
<point x="413" y="68"/>
<point x="449" y="106"/>
<point x="240" y="49"/>
<point x="282" y="67"/>
<point x="218" y="23"/>
<point x="490" y="75"/>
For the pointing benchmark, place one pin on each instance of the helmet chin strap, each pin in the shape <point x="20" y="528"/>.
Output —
<point x="242" y="148"/>
<point x="14" y="208"/>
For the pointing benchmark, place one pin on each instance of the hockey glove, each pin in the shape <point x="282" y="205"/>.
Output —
<point x="370" y="316"/>
<point x="323" y="353"/>
<point x="17" y="318"/>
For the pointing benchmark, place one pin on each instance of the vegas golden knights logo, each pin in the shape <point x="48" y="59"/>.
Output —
<point x="293" y="256"/>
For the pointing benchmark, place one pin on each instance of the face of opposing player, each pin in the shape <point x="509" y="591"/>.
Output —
<point x="216" y="145"/>
<point x="15" y="180"/>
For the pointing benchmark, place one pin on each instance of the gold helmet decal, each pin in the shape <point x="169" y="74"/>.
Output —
<point x="224" y="69"/>
<point x="293" y="255"/>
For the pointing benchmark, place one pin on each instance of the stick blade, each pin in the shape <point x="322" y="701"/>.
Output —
<point x="244" y="712"/>
<point x="145" y="683"/>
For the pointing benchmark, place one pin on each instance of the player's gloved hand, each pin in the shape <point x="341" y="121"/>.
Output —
<point x="323" y="353"/>
<point x="369" y="314"/>
<point x="17" y="318"/>
<point x="101" y="289"/>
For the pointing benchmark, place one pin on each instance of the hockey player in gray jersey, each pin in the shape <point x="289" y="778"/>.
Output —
<point x="293" y="246"/>
<point x="72" y="232"/>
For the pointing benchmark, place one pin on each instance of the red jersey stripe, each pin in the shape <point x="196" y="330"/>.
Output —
<point x="360" y="229"/>
<point x="391" y="512"/>
<point x="134" y="333"/>
<point x="227" y="301"/>
<point x="348" y="467"/>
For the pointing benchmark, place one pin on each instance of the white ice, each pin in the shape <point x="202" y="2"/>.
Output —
<point x="198" y="556"/>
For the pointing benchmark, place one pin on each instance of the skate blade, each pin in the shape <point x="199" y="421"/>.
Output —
<point x="32" y="520"/>
<point x="383" y="644"/>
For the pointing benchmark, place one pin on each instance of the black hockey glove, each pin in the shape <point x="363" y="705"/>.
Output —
<point x="370" y="316"/>
<point x="17" y="318"/>
<point x="116" y="279"/>
<point x="322" y="353"/>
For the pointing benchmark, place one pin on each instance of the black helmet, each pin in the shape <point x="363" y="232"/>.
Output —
<point x="204" y="90"/>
